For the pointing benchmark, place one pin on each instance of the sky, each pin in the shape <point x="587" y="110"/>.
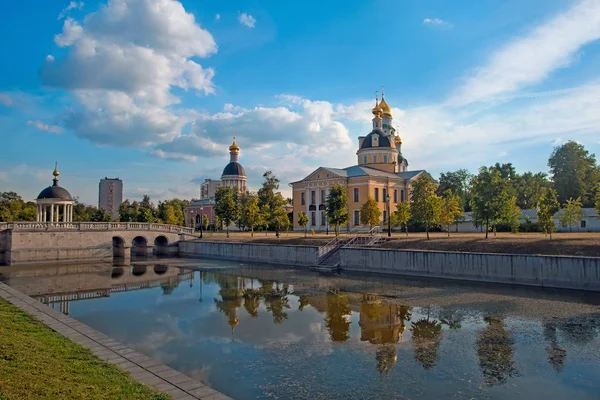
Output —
<point x="152" y="91"/>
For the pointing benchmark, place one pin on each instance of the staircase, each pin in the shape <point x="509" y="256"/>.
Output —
<point x="329" y="255"/>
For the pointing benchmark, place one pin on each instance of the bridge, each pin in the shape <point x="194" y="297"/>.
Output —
<point x="35" y="242"/>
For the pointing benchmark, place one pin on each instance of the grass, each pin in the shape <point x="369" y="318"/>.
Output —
<point x="38" y="363"/>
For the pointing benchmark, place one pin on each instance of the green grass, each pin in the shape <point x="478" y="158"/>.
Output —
<point x="38" y="363"/>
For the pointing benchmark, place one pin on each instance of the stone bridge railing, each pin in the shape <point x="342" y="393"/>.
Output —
<point x="95" y="226"/>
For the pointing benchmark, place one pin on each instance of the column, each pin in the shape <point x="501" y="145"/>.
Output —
<point x="37" y="213"/>
<point x="307" y="202"/>
<point x="318" y="202"/>
<point x="51" y="212"/>
<point x="64" y="213"/>
<point x="70" y="212"/>
<point x="43" y="212"/>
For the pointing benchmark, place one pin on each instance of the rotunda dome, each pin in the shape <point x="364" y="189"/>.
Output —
<point x="55" y="191"/>
<point x="234" y="168"/>
<point x="384" y="141"/>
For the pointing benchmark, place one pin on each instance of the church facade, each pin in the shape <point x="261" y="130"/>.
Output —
<point x="381" y="173"/>
<point x="233" y="175"/>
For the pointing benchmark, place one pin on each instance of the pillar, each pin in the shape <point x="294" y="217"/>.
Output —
<point x="51" y="212"/>
<point x="70" y="212"/>
<point x="43" y="213"/>
<point x="64" y="213"/>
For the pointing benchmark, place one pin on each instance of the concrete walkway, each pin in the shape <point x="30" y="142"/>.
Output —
<point x="141" y="368"/>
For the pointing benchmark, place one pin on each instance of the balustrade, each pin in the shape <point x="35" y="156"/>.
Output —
<point x="94" y="226"/>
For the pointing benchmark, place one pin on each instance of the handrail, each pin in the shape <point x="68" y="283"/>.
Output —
<point x="95" y="226"/>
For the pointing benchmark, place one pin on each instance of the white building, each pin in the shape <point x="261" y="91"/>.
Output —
<point x="589" y="223"/>
<point x="110" y="196"/>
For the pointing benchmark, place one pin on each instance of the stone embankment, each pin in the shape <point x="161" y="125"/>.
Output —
<point x="581" y="273"/>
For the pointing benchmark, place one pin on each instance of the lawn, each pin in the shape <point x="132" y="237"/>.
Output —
<point x="38" y="363"/>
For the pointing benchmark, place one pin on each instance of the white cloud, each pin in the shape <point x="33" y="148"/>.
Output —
<point x="437" y="22"/>
<point x="247" y="20"/>
<point x="556" y="141"/>
<point x="531" y="58"/>
<point x="73" y="5"/>
<point x="45" y="127"/>
<point x="123" y="61"/>
<point x="5" y="99"/>
<point x="217" y="17"/>
<point x="49" y="58"/>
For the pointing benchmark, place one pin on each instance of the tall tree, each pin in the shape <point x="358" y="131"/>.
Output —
<point x="266" y="194"/>
<point x="279" y="218"/>
<point x="530" y="188"/>
<point x="490" y="194"/>
<point x="302" y="221"/>
<point x="574" y="173"/>
<point x="572" y="214"/>
<point x="425" y="203"/>
<point x="460" y="183"/>
<point x="547" y="207"/>
<point x="450" y="209"/>
<point x="370" y="213"/>
<point x="337" y="207"/>
<point x="507" y="171"/>
<point x="226" y="207"/>
<point x="13" y="208"/>
<point x="402" y="215"/>
<point x="510" y="213"/>
<point x="251" y="215"/>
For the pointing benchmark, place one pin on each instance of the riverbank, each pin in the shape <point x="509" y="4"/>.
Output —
<point x="585" y="244"/>
<point x="38" y="363"/>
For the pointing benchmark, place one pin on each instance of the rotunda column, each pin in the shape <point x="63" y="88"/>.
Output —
<point x="64" y="207"/>
<point x="51" y="212"/>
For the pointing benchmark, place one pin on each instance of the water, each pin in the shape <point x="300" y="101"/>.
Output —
<point x="252" y="331"/>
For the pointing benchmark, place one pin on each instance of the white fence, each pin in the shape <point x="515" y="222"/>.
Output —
<point x="94" y="226"/>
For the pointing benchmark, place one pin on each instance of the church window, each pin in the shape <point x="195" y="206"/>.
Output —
<point x="356" y="195"/>
<point x="364" y="159"/>
<point x="322" y="196"/>
<point x="376" y="194"/>
<point x="375" y="159"/>
<point x="302" y="202"/>
<point x="395" y="196"/>
<point x="313" y="218"/>
<point x="385" y="159"/>
<point x="402" y="195"/>
<point x="384" y="197"/>
<point x="322" y="218"/>
<point x="312" y="197"/>
<point x="356" y="217"/>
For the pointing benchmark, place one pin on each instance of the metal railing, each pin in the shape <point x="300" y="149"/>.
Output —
<point x="355" y="237"/>
<point x="95" y="226"/>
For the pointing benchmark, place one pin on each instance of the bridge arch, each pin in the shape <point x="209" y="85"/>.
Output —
<point x="161" y="245"/>
<point x="118" y="245"/>
<point x="139" y="246"/>
<point x="138" y="270"/>
<point x="160" y="269"/>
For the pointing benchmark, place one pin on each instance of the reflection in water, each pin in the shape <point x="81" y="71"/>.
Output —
<point x="496" y="353"/>
<point x="312" y="337"/>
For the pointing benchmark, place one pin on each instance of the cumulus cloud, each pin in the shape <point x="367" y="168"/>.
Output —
<point x="531" y="58"/>
<point x="437" y="22"/>
<point x="247" y="20"/>
<point x="217" y="17"/>
<point x="45" y="127"/>
<point x="5" y="99"/>
<point x="122" y="63"/>
<point x="73" y="5"/>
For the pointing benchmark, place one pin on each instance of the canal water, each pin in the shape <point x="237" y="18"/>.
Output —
<point x="254" y="332"/>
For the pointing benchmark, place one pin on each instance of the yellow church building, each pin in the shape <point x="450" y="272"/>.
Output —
<point x="382" y="173"/>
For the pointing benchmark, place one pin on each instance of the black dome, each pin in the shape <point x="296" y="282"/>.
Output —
<point x="55" y="192"/>
<point x="234" y="168"/>
<point x="384" y="141"/>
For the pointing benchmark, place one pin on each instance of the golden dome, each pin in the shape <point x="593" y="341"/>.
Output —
<point x="56" y="173"/>
<point x="385" y="108"/>
<point x="234" y="148"/>
<point x="397" y="140"/>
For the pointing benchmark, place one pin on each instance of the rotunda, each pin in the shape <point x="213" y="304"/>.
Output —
<point x="233" y="173"/>
<point x="55" y="204"/>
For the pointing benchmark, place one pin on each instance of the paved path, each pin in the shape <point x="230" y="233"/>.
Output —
<point x="141" y="368"/>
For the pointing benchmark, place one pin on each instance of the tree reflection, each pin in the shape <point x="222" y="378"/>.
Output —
<point x="336" y="317"/>
<point x="303" y="302"/>
<point x="386" y="358"/>
<point x="556" y="355"/>
<point x="252" y="301"/>
<point x="231" y="293"/>
<point x="427" y="338"/>
<point x="451" y="319"/>
<point x="276" y="300"/>
<point x="496" y="353"/>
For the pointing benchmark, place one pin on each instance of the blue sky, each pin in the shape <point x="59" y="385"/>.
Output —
<point x="152" y="91"/>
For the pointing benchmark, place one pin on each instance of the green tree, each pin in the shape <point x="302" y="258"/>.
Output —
<point x="13" y="208"/>
<point x="547" y="207"/>
<point x="370" y="213"/>
<point x="99" y="215"/>
<point x="574" y="173"/>
<point x="303" y="221"/>
<point x="217" y="224"/>
<point x="337" y="207"/>
<point x="460" y="183"/>
<point x="490" y="195"/>
<point x="510" y="213"/>
<point x="597" y="203"/>
<point x="226" y="206"/>
<point x="279" y="219"/>
<point x="530" y="188"/>
<point x="205" y="222"/>
<point x="402" y="215"/>
<point x="572" y="213"/>
<point x="450" y="209"/>
<point x="426" y="204"/>
<point x="251" y="215"/>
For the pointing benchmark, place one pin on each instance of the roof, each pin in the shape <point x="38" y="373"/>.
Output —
<point x="202" y="202"/>
<point x="358" y="170"/>
<point x="234" y="168"/>
<point x="384" y="141"/>
<point x="55" y="192"/>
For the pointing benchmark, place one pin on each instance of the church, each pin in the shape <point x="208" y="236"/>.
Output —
<point x="381" y="173"/>
<point x="233" y="176"/>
